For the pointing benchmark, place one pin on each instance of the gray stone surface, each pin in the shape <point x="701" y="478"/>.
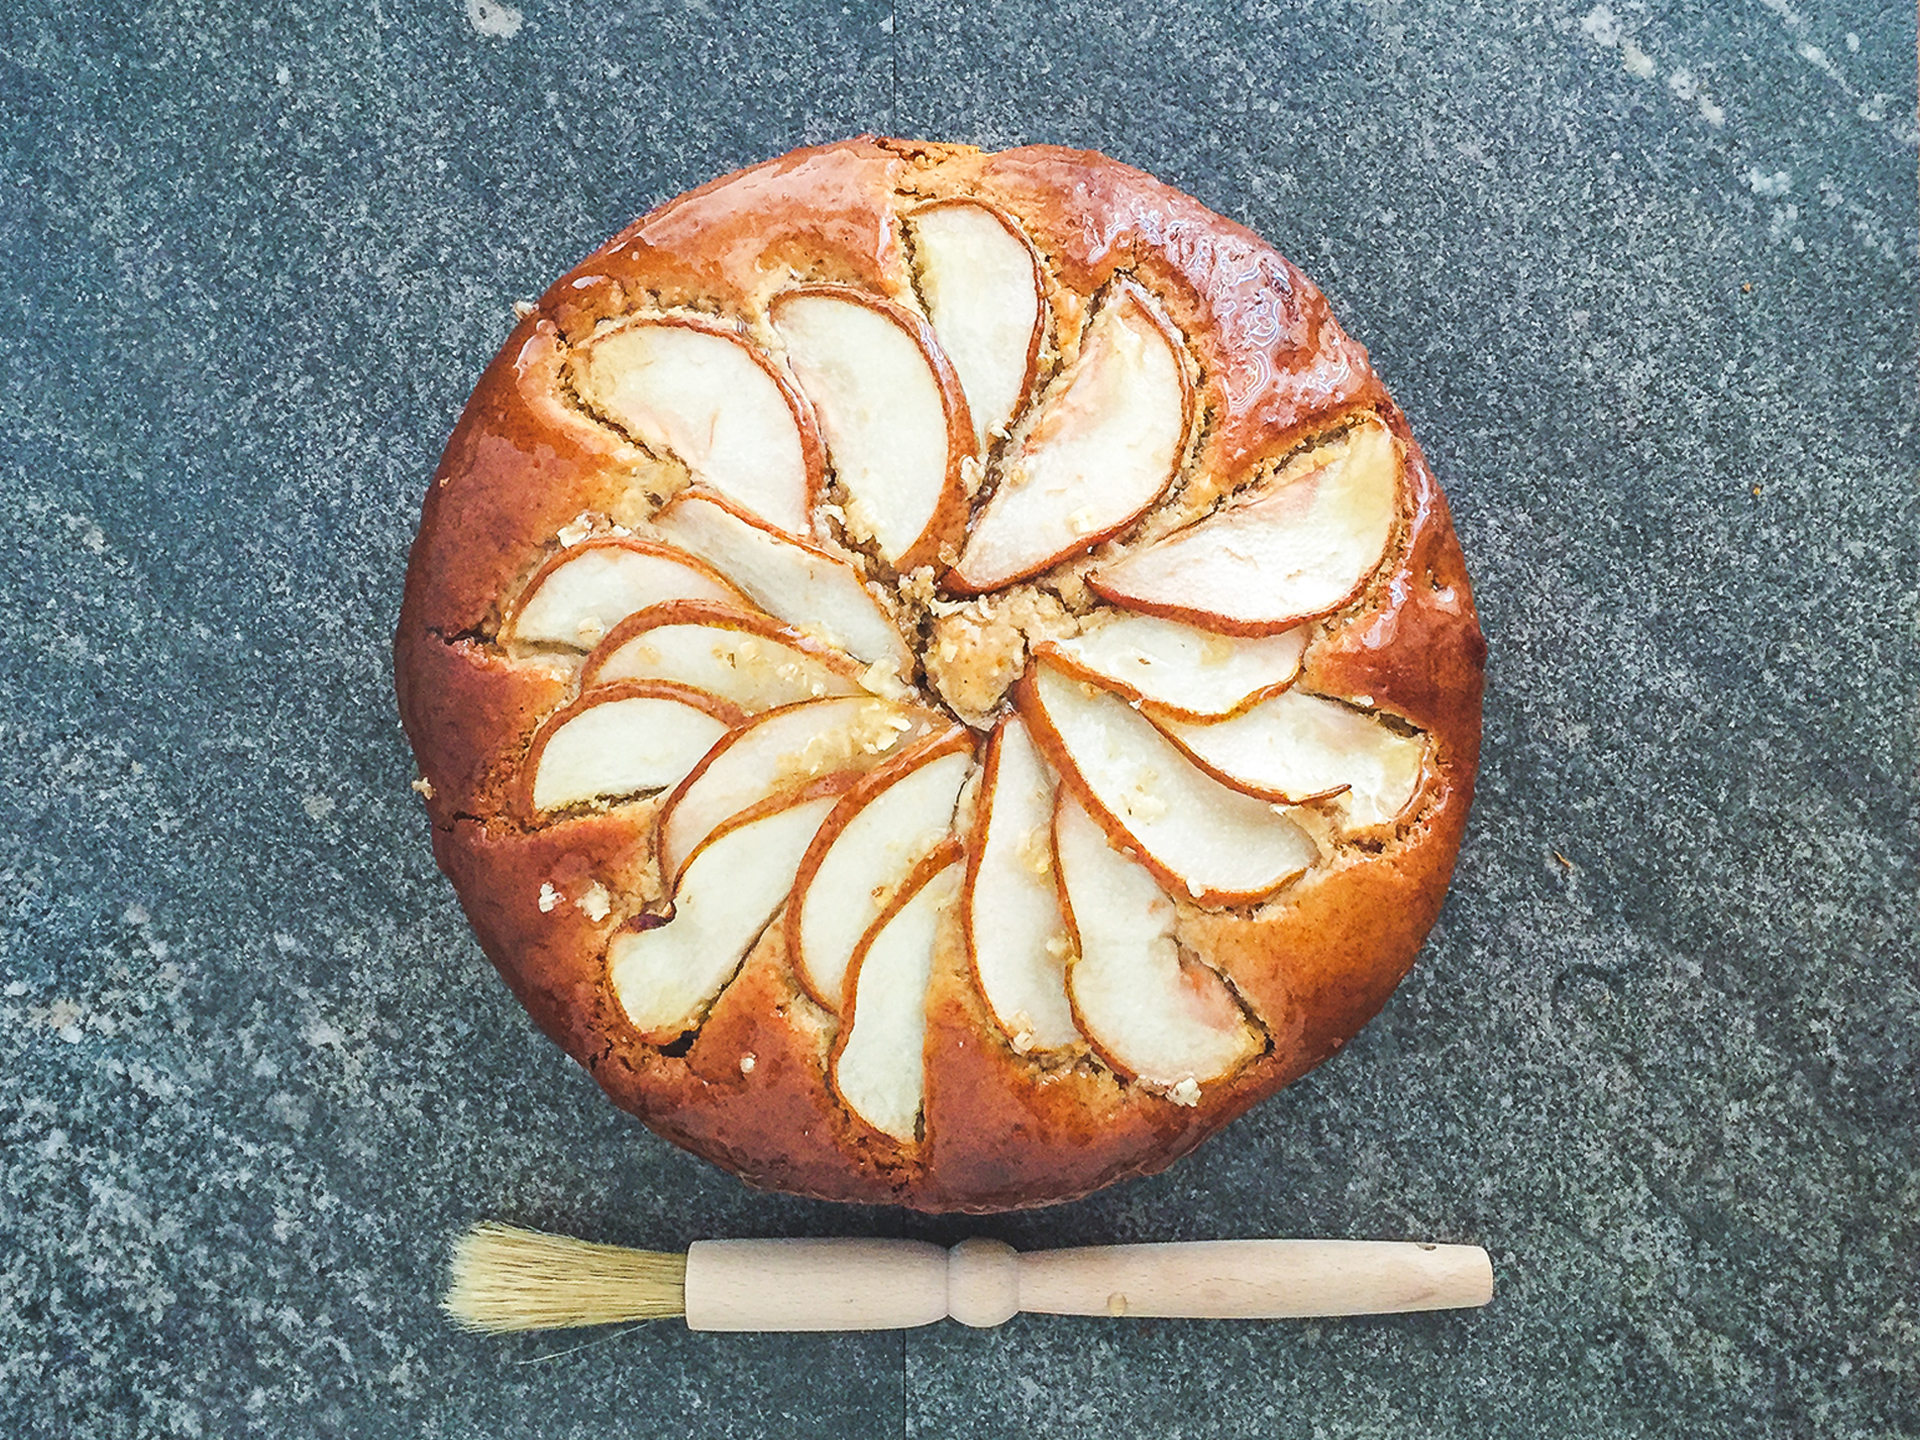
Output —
<point x="1645" y="281"/>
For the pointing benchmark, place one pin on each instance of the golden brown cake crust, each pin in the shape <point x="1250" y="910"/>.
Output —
<point x="749" y="1089"/>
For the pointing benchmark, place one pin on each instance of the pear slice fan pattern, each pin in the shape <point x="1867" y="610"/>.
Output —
<point x="973" y="735"/>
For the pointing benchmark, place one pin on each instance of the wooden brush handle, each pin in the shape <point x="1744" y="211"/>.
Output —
<point x="815" y="1284"/>
<point x="1249" y="1279"/>
<point x="894" y="1284"/>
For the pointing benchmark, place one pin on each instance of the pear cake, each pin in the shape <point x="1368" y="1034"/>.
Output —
<point x="939" y="677"/>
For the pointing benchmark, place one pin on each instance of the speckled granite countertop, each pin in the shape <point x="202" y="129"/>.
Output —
<point x="1643" y="277"/>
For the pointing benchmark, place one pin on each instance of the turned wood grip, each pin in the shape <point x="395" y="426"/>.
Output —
<point x="1256" y="1279"/>
<point x="895" y="1284"/>
<point x="815" y="1284"/>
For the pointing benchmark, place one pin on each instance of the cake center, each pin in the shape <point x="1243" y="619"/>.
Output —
<point x="977" y="648"/>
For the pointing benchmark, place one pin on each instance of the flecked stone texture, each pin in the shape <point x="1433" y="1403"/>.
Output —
<point x="1644" y="279"/>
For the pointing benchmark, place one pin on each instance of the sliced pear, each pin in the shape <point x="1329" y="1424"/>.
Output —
<point x="740" y="655"/>
<point x="982" y="285"/>
<point x="1297" y="550"/>
<point x="779" y="753"/>
<point x="1104" y="446"/>
<point x="621" y="740"/>
<point x="1153" y="1014"/>
<point x="1016" y="935"/>
<point x="1199" y="837"/>
<point x="879" y="1068"/>
<point x="827" y="787"/>
<point x="709" y="398"/>
<point x="892" y="413"/>
<point x="1298" y="747"/>
<point x="1177" y="669"/>
<point x="666" y="977"/>
<point x="583" y="592"/>
<point x="864" y="852"/>
<point x="811" y="590"/>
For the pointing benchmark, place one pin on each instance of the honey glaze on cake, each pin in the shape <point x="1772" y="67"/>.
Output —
<point x="942" y="677"/>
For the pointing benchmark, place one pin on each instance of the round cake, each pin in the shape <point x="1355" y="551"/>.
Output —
<point x="941" y="678"/>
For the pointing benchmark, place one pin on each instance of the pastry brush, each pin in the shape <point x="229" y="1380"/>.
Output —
<point x="506" y="1278"/>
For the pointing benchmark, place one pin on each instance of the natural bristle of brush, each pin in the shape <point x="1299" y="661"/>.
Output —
<point x="505" y="1278"/>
